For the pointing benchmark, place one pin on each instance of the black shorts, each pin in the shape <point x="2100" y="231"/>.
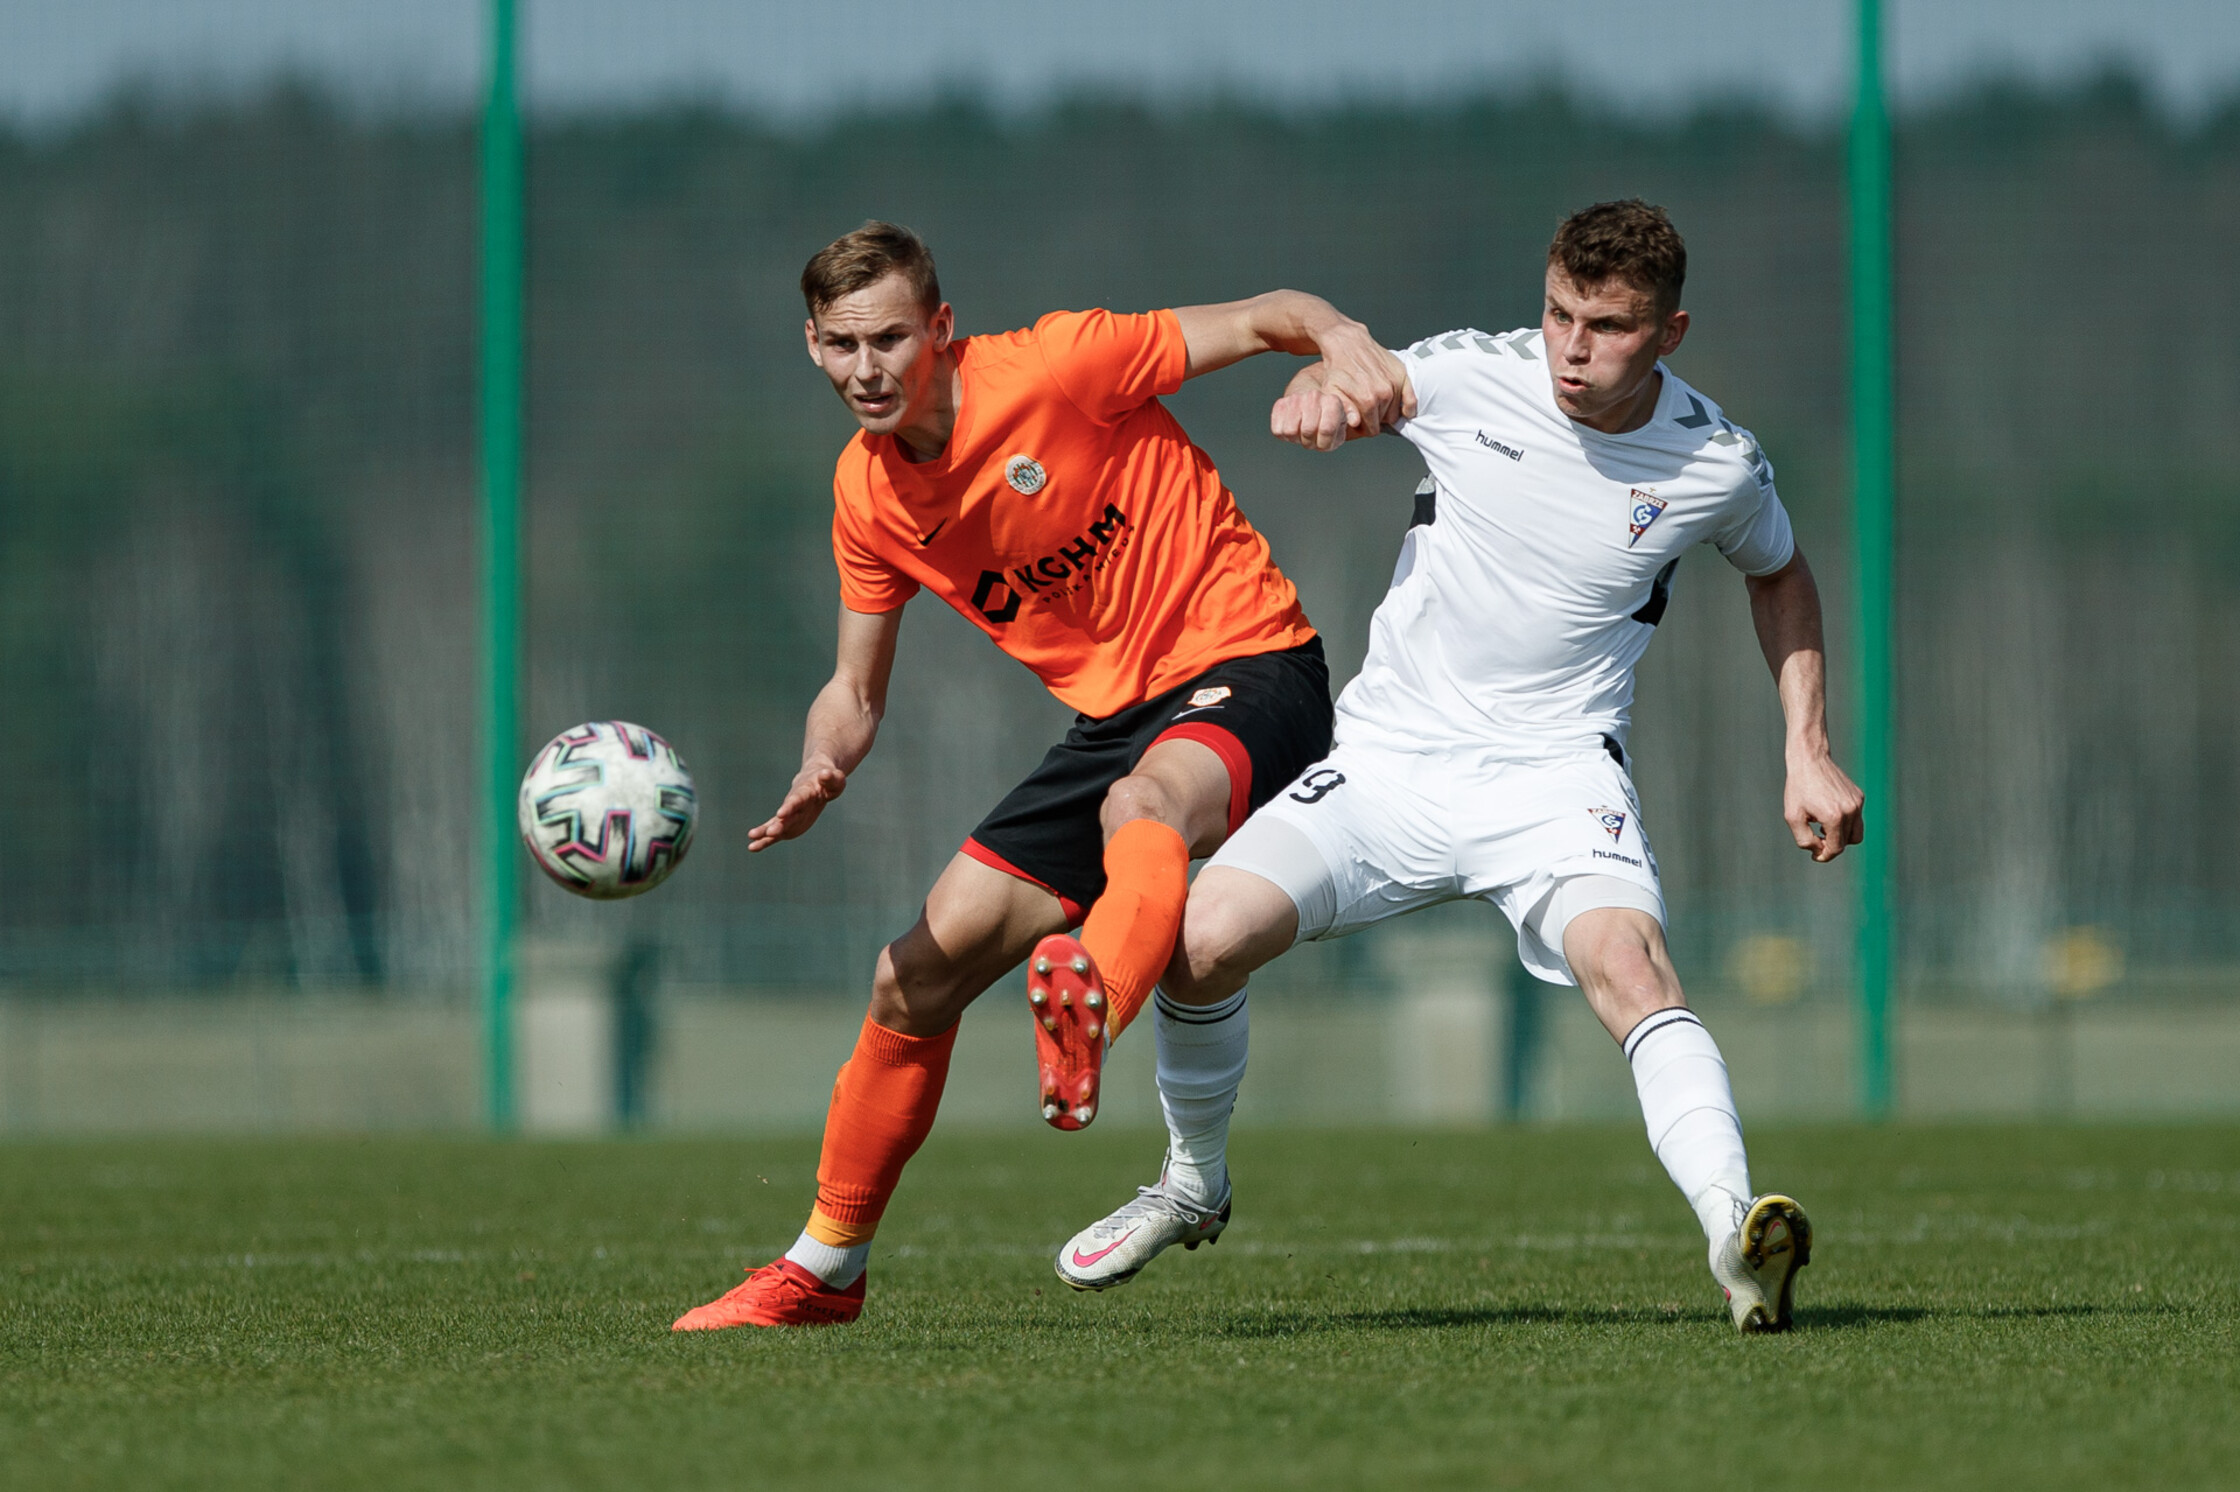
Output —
<point x="1267" y="717"/>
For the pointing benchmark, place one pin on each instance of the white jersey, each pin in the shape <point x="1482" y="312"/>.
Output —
<point x="1518" y="611"/>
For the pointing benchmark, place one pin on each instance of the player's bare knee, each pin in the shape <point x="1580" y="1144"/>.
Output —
<point x="1133" y="798"/>
<point x="1612" y="963"/>
<point x="1212" y="957"/>
<point x="1624" y="981"/>
<point x="1632" y="975"/>
<point x="890" y="1000"/>
<point x="1207" y="983"/>
<point x="1193" y="972"/>
<point x="915" y="989"/>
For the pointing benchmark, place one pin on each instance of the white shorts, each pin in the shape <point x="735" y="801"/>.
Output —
<point x="1368" y="834"/>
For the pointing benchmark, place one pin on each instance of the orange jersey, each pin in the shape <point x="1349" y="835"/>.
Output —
<point x="1070" y="518"/>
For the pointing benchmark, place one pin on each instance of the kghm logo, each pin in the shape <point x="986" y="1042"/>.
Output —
<point x="1647" y="506"/>
<point x="997" y="596"/>
<point x="983" y="596"/>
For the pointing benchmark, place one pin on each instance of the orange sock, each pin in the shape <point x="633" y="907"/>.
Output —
<point x="1132" y="928"/>
<point x="882" y="1105"/>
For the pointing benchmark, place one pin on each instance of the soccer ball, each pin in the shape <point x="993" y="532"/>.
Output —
<point x="608" y="809"/>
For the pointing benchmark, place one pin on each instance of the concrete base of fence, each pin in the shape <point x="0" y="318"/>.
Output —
<point x="721" y="1060"/>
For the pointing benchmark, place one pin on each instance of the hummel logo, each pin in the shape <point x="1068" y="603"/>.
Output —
<point x="937" y="528"/>
<point x="1494" y="445"/>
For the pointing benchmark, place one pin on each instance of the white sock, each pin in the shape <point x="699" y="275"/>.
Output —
<point x="837" y="1267"/>
<point x="1201" y="1066"/>
<point x="1689" y="1110"/>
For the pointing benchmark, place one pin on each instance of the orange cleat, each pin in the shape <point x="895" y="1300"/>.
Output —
<point x="780" y="1293"/>
<point x="1069" y="1029"/>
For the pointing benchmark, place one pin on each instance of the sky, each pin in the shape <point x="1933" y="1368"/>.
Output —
<point x="819" y="61"/>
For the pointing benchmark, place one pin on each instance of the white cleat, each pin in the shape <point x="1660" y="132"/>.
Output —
<point x="1757" y="1264"/>
<point x="1114" y="1251"/>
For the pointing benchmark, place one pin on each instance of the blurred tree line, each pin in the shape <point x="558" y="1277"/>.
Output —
<point x="237" y="487"/>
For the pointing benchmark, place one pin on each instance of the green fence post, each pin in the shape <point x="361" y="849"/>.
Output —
<point x="1873" y="442"/>
<point x="501" y="546"/>
<point x="1527" y="1012"/>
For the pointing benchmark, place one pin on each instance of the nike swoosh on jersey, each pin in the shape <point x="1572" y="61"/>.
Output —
<point x="937" y="528"/>
<point x="1200" y="710"/>
<point x="1085" y="1260"/>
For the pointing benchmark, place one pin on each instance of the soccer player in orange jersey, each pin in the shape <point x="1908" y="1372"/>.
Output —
<point x="1033" y="481"/>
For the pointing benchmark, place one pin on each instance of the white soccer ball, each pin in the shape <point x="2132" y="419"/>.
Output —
<point x="608" y="809"/>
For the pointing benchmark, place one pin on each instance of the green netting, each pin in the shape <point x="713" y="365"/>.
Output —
<point x="237" y="607"/>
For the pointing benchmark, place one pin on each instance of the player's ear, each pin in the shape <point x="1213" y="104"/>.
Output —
<point x="944" y="326"/>
<point x="1675" y="328"/>
<point x="809" y="330"/>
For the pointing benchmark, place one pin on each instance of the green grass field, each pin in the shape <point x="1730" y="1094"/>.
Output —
<point x="1988" y="1307"/>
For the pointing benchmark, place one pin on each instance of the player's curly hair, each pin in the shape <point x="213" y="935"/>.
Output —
<point x="855" y="261"/>
<point x="1630" y="241"/>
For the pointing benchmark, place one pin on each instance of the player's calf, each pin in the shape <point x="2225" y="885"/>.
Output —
<point x="1234" y="922"/>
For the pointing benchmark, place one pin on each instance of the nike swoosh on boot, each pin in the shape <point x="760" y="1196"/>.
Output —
<point x="1085" y="1260"/>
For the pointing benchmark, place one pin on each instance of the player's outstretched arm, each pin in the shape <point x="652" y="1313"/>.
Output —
<point x="843" y="722"/>
<point x="1320" y="414"/>
<point x="1824" y="807"/>
<point x="1307" y="326"/>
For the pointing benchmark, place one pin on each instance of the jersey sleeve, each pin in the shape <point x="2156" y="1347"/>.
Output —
<point x="1757" y="538"/>
<point x="869" y="582"/>
<point x="1439" y="370"/>
<point x="1108" y="364"/>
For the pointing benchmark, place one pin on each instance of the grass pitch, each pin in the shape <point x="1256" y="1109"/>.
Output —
<point x="1986" y="1307"/>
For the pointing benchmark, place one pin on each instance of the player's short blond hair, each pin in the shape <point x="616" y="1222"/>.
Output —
<point x="858" y="260"/>
<point x="1629" y="241"/>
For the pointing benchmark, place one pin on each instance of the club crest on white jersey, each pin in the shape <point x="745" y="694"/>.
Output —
<point x="1612" y="820"/>
<point x="1647" y="508"/>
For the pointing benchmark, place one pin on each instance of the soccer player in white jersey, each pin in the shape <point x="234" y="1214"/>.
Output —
<point x="1481" y="751"/>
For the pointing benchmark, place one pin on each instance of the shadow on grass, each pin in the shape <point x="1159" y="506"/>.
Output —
<point x="1283" y="1323"/>
<point x="1839" y="1316"/>
<point x="1849" y="1317"/>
